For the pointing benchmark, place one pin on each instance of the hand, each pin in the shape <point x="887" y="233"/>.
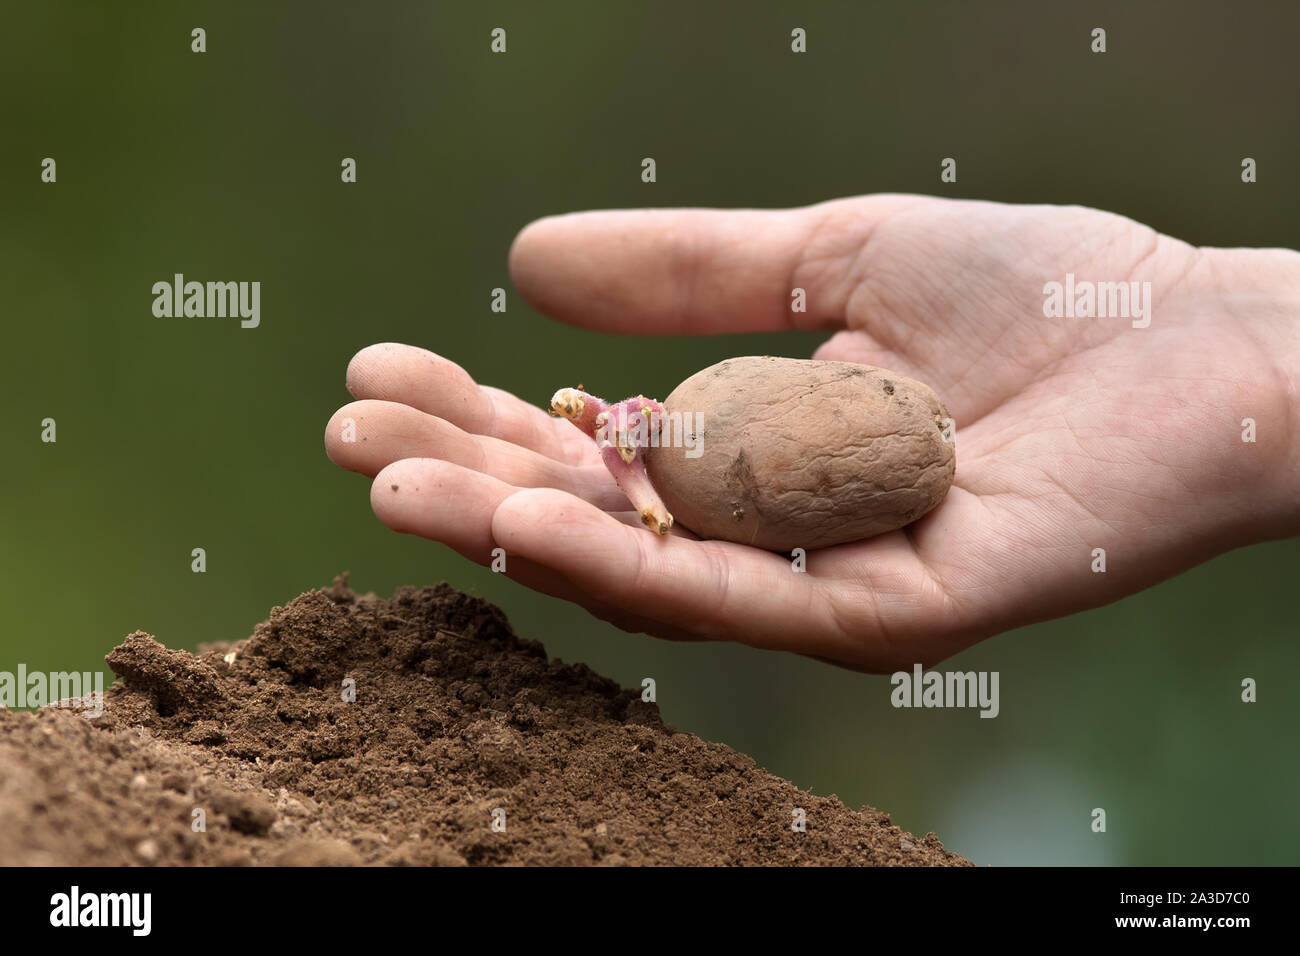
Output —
<point x="1073" y="434"/>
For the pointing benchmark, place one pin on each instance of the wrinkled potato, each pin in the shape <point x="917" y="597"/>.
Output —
<point x="803" y="454"/>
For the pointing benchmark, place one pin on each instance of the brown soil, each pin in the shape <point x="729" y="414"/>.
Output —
<point x="454" y="717"/>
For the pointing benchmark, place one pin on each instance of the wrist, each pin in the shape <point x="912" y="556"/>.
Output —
<point x="1256" y="295"/>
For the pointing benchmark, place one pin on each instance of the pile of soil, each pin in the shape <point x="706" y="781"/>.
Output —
<point x="454" y="718"/>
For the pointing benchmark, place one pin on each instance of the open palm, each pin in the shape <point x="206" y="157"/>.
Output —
<point x="1073" y="434"/>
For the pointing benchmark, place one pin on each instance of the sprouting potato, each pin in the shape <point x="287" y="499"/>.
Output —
<point x="777" y="453"/>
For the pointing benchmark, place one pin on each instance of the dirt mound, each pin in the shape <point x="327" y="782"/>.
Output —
<point x="253" y="753"/>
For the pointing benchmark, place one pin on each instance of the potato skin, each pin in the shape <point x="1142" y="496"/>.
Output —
<point x="798" y="453"/>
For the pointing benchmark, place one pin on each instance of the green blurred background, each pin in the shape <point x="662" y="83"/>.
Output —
<point x="176" y="434"/>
